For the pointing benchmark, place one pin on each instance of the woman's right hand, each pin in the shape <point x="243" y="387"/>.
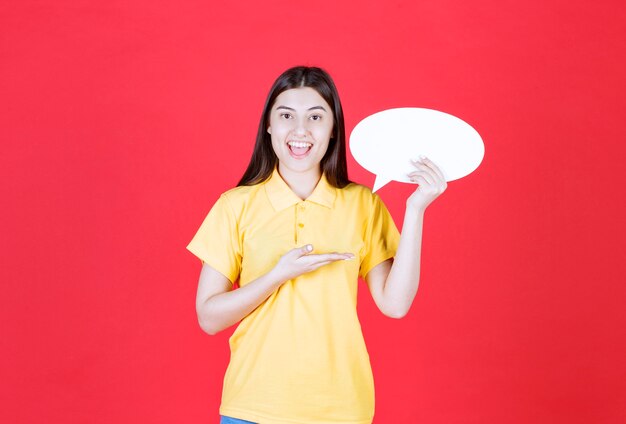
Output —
<point x="299" y="261"/>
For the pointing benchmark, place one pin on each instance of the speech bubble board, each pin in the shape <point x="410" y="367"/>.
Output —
<point x="385" y="142"/>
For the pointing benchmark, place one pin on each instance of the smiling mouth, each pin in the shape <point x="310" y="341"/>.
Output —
<point x="299" y="149"/>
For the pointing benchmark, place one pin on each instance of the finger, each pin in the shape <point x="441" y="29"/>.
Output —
<point x="321" y="264"/>
<point x="336" y="256"/>
<point x="421" y="181"/>
<point x="427" y="176"/>
<point x="434" y="167"/>
<point x="304" y="250"/>
<point x="422" y="167"/>
<point x="324" y="257"/>
<point x="417" y="177"/>
<point x="424" y="176"/>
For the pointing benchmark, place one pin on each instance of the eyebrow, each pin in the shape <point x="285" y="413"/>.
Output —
<point x="290" y="108"/>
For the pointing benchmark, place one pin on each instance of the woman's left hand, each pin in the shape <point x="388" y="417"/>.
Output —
<point x="431" y="184"/>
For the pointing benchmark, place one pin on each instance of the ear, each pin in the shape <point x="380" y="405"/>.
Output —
<point x="269" y="129"/>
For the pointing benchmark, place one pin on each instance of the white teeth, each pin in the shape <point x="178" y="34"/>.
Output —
<point x="299" y="144"/>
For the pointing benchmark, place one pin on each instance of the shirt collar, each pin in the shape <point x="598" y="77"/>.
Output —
<point x="281" y="196"/>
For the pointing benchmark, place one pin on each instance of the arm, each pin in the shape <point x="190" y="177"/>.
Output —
<point x="218" y="307"/>
<point x="394" y="282"/>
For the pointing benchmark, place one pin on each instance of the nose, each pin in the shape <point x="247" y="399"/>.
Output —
<point x="300" y="129"/>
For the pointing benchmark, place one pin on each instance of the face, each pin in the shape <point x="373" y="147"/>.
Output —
<point x="301" y="124"/>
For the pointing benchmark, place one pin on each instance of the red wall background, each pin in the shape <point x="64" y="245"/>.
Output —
<point x="122" y="121"/>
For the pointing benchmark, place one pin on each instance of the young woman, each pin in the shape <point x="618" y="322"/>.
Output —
<point x="297" y="234"/>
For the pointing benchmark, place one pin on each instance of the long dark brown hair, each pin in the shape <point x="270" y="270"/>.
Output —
<point x="333" y="164"/>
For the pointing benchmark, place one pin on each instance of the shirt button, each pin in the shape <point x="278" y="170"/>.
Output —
<point x="301" y="225"/>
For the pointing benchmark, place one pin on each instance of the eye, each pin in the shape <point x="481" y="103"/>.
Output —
<point x="285" y="115"/>
<point x="316" y="117"/>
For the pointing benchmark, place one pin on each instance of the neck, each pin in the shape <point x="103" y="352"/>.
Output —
<point x="301" y="183"/>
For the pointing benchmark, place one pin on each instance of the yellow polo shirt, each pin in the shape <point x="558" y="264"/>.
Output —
<point x="299" y="357"/>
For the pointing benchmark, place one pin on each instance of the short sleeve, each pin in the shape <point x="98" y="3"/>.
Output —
<point x="381" y="237"/>
<point x="217" y="243"/>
